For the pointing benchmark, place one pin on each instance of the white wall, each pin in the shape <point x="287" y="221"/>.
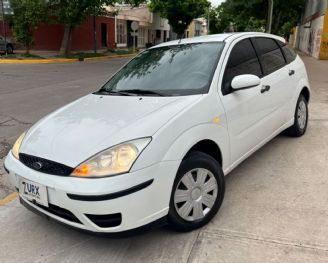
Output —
<point x="309" y="39"/>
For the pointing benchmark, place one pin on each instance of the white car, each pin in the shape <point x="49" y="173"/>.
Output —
<point x="154" y="143"/>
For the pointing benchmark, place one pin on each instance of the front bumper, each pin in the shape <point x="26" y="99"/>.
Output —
<point x="138" y="198"/>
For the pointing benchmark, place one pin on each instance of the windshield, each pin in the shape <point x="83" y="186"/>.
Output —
<point x="168" y="71"/>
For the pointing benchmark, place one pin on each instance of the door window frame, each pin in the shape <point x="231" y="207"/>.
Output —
<point x="227" y="57"/>
<point x="265" y="72"/>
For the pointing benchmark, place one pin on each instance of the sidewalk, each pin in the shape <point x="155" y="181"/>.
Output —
<point x="52" y="57"/>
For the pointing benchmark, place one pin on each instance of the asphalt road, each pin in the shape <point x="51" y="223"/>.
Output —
<point x="275" y="209"/>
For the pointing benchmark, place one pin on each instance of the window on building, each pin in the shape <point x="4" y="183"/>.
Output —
<point x="121" y="32"/>
<point x="198" y="28"/>
<point x="158" y="34"/>
<point x="141" y="37"/>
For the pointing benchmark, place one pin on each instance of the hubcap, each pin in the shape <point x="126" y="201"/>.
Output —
<point x="195" y="194"/>
<point x="301" y="115"/>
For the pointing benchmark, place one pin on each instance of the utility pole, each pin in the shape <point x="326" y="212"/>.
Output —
<point x="270" y="13"/>
<point x="208" y="21"/>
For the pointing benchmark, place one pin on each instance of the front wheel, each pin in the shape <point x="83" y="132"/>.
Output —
<point x="301" y="118"/>
<point x="197" y="193"/>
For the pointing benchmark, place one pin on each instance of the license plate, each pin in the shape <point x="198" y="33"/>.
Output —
<point x="34" y="192"/>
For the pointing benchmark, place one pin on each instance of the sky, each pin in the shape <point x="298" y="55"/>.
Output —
<point x="216" y="2"/>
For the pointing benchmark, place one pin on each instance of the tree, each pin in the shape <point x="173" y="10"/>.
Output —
<point x="72" y="13"/>
<point x="180" y="13"/>
<point x="250" y="15"/>
<point x="28" y="15"/>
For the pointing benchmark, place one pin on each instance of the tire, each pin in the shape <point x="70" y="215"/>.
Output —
<point x="196" y="168"/>
<point x="10" y="49"/>
<point x="301" y="118"/>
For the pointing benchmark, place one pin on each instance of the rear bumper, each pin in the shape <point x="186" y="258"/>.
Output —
<point x="139" y="198"/>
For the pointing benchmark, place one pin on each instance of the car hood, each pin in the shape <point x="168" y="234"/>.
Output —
<point x="94" y="123"/>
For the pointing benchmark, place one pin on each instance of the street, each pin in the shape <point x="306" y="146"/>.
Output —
<point x="275" y="208"/>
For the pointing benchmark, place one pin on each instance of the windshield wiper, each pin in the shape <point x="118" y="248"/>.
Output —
<point x="142" y="92"/>
<point x="112" y="92"/>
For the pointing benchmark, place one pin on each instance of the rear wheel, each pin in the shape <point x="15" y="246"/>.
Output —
<point x="197" y="193"/>
<point x="301" y="118"/>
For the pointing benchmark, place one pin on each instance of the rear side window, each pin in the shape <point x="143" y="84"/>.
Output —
<point x="242" y="60"/>
<point x="290" y="54"/>
<point x="272" y="57"/>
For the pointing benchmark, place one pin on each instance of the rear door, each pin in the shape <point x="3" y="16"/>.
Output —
<point x="276" y="77"/>
<point x="295" y="72"/>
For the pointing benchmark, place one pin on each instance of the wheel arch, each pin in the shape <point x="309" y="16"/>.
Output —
<point x="208" y="138"/>
<point x="306" y="93"/>
<point x="209" y="147"/>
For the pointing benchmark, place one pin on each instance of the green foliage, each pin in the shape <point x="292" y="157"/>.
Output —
<point x="252" y="15"/>
<point x="28" y="15"/>
<point x="180" y="13"/>
<point x="255" y="25"/>
<point x="75" y="12"/>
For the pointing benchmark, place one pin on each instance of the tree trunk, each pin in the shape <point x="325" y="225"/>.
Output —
<point x="66" y="42"/>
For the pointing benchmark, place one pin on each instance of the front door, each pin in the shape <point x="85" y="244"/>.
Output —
<point x="246" y="110"/>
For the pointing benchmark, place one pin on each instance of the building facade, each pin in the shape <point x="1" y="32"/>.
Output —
<point x="111" y="31"/>
<point x="311" y="36"/>
<point x="49" y="36"/>
<point x="152" y="28"/>
<point x="198" y="27"/>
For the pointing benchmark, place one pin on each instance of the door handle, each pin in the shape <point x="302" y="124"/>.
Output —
<point x="291" y="72"/>
<point x="265" y="88"/>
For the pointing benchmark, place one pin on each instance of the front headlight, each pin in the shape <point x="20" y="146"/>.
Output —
<point x="17" y="145"/>
<point x="116" y="160"/>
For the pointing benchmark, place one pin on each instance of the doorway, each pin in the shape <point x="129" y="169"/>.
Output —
<point x="103" y="35"/>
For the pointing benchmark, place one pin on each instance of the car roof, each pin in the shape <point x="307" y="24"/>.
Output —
<point x="226" y="37"/>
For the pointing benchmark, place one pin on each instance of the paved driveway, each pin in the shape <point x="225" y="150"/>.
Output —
<point x="276" y="204"/>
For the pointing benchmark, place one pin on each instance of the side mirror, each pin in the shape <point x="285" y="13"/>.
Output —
<point x="246" y="81"/>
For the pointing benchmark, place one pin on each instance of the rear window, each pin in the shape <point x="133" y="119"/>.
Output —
<point x="289" y="53"/>
<point x="272" y="57"/>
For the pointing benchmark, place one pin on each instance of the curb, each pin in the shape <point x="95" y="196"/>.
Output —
<point x="8" y="199"/>
<point x="57" y="61"/>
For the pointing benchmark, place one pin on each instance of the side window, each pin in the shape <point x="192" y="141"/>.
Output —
<point x="290" y="54"/>
<point x="242" y="60"/>
<point x="272" y="57"/>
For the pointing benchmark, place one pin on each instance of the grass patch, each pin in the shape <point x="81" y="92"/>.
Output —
<point x="85" y="55"/>
<point x="120" y="51"/>
<point x="20" y="56"/>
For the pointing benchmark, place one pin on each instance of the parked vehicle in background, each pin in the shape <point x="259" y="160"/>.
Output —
<point x="156" y="141"/>
<point x="6" y="45"/>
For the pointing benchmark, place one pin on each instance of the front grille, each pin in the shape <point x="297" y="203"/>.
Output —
<point x="105" y="221"/>
<point x="60" y="212"/>
<point x="45" y="166"/>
